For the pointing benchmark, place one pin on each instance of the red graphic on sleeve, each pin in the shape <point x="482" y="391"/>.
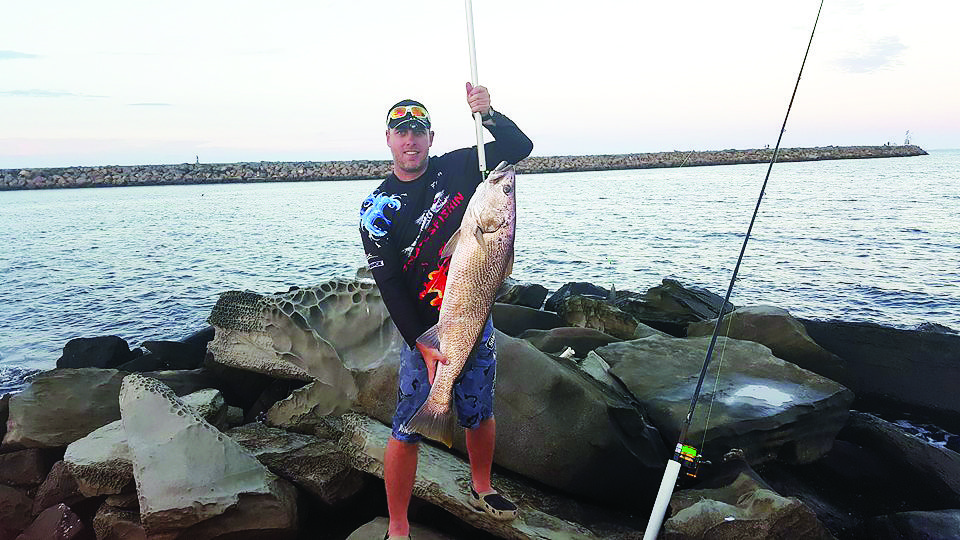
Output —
<point x="437" y="282"/>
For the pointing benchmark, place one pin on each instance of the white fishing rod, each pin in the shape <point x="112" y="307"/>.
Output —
<point x="686" y="455"/>
<point x="473" y="80"/>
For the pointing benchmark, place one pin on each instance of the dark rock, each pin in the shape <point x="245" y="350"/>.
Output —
<point x="934" y="327"/>
<point x="200" y="338"/>
<point x="514" y="320"/>
<point x="4" y="413"/>
<point x="142" y="363"/>
<point x="587" y="312"/>
<point x="25" y="467"/>
<point x="671" y="306"/>
<point x="99" y="352"/>
<point x="520" y="294"/>
<point x="953" y="442"/>
<point x="580" y="288"/>
<point x="57" y="523"/>
<point x="15" y="507"/>
<point x="58" y="487"/>
<point x="581" y="340"/>
<point x="176" y="354"/>
<point x="112" y="523"/>
<point x="905" y="370"/>
<point x="918" y="525"/>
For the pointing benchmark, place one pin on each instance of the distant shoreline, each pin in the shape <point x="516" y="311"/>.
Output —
<point x="224" y="173"/>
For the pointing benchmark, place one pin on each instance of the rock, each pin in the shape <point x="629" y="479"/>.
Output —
<point x="56" y="523"/>
<point x="15" y="508"/>
<point x="103" y="352"/>
<point x="770" y="408"/>
<point x="444" y="479"/>
<point x="671" y="305"/>
<point x="581" y="340"/>
<point x="318" y="466"/>
<point x="745" y="508"/>
<point x="935" y="468"/>
<point x="784" y="335"/>
<point x="177" y="354"/>
<point x="586" y="312"/>
<point x="25" y="468"/>
<point x="578" y="288"/>
<point x="513" y="292"/>
<point x="191" y="478"/>
<point x="61" y="406"/>
<point x="559" y="426"/>
<point x="898" y="368"/>
<point x="112" y="523"/>
<point x="4" y="414"/>
<point x="58" y="487"/>
<point x="933" y="524"/>
<point x="307" y="406"/>
<point x="514" y="320"/>
<point x="101" y="462"/>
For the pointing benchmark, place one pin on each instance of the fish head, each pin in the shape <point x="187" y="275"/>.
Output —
<point x="495" y="201"/>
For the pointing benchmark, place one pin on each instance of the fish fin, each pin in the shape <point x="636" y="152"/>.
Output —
<point x="478" y="232"/>
<point x="509" y="269"/>
<point x="434" y="422"/>
<point x="431" y="338"/>
<point x="451" y="245"/>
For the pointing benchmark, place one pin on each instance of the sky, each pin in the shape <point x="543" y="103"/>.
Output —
<point x="105" y="82"/>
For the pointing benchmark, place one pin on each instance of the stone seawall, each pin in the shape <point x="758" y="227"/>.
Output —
<point x="203" y="173"/>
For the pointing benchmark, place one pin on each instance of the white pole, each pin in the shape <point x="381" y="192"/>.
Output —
<point x="473" y="80"/>
<point x="663" y="500"/>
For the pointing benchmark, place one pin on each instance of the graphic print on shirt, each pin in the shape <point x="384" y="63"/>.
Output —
<point x="437" y="219"/>
<point x="439" y="199"/>
<point x="436" y="283"/>
<point x="372" y="214"/>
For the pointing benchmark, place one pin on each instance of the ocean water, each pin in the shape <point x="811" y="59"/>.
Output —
<point x="872" y="240"/>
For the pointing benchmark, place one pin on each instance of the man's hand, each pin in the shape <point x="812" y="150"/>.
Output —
<point x="431" y="357"/>
<point x="478" y="97"/>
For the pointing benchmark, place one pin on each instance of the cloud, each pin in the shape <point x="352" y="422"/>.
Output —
<point x="150" y="104"/>
<point x="14" y="55"/>
<point x="43" y="94"/>
<point x="882" y="53"/>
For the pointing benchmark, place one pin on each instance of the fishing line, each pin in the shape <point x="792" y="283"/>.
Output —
<point x="685" y="453"/>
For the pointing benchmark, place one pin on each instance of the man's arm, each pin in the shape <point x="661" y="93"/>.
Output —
<point x="510" y="144"/>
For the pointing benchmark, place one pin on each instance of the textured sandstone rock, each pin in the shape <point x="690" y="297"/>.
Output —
<point x="784" y="335"/>
<point x="112" y="523"/>
<point x="444" y="480"/>
<point x="190" y="477"/>
<point x="316" y="465"/>
<point x="671" y="305"/>
<point x="61" y="406"/>
<point x="594" y="313"/>
<point x="58" y="487"/>
<point x="581" y="340"/>
<point x="770" y="408"/>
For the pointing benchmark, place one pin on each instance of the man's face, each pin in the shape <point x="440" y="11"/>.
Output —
<point x="410" y="148"/>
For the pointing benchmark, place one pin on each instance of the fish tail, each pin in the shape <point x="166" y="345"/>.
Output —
<point x="434" y="421"/>
<point x="431" y="338"/>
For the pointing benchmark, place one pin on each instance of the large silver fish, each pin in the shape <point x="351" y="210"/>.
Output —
<point x="482" y="256"/>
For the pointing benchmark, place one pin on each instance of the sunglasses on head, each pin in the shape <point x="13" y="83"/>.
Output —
<point x="414" y="110"/>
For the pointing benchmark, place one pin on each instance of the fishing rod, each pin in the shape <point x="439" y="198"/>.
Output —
<point x="686" y="455"/>
<point x="471" y="44"/>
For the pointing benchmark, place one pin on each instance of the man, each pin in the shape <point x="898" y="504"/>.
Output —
<point x="404" y="225"/>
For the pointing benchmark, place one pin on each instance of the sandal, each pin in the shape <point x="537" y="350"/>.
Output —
<point x="494" y="505"/>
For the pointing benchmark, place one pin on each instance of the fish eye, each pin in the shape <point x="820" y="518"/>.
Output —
<point x="507" y="188"/>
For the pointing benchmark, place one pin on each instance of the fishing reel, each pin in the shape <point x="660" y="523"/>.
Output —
<point x="689" y="459"/>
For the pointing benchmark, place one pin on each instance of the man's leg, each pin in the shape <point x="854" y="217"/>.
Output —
<point x="481" y="441"/>
<point x="399" y="473"/>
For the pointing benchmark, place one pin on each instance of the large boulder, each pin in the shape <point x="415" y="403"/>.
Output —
<point x="443" y="479"/>
<point x="784" y="335"/>
<point x="671" y="306"/>
<point x="898" y="368"/>
<point x="514" y="320"/>
<point x="744" y="508"/>
<point x="581" y="340"/>
<point x="56" y="523"/>
<point x="587" y="312"/>
<point x="930" y="524"/>
<point x="103" y="352"/>
<point x="521" y="294"/>
<point x="768" y="407"/>
<point x="61" y="406"/>
<point x="317" y="465"/>
<point x="192" y="479"/>
<point x="575" y="288"/>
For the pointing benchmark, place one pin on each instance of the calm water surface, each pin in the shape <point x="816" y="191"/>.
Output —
<point x="859" y="240"/>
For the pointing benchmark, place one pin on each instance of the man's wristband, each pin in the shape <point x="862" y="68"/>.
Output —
<point x="488" y="116"/>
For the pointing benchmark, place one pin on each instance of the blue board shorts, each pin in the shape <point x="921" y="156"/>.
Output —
<point x="472" y="391"/>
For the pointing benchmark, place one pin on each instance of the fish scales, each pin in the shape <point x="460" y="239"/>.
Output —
<point x="482" y="257"/>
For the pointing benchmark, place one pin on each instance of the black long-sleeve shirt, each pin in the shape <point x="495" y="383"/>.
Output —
<point x="404" y="226"/>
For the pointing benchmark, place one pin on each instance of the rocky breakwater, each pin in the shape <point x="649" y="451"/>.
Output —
<point x="272" y="423"/>
<point x="201" y="173"/>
